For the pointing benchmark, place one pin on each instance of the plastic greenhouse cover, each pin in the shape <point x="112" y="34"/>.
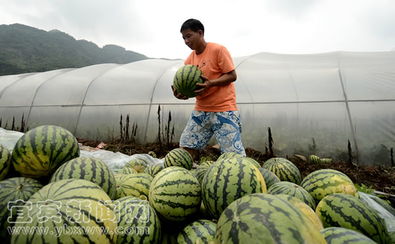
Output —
<point x="310" y="102"/>
<point x="387" y="216"/>
<point x="114" y="160"/>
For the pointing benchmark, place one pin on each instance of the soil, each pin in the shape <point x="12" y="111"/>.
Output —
<point x="370" y="178"/>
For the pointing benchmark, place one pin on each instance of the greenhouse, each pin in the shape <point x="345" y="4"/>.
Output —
<point x="339" y="104"/>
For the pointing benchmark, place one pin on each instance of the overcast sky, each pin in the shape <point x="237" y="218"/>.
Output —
<point x="245" y="27"/>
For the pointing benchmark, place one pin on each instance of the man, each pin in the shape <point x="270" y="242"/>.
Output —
<point x="215" y="111"/>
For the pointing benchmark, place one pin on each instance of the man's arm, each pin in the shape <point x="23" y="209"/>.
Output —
<point x="221" y="81"/>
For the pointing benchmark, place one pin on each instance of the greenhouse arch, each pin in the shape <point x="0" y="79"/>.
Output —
<point x="332" y="104"/>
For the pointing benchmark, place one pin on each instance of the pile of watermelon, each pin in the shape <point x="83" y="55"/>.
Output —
<point x="48" y="193"/>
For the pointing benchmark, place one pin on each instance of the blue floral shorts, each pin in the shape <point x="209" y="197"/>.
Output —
<point x="226" y="127"/>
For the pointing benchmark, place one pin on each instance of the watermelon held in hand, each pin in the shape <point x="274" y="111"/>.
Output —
<point x="40" y="151"/>
<point x="186" y="78"/>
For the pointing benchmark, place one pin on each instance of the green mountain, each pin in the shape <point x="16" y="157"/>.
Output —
<point x="26" y="49"/>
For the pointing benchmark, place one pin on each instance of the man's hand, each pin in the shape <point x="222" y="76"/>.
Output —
<point x="201" y="87"/>
<point x="177" y="94"/>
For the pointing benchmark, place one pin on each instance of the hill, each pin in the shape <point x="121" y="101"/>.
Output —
<point x="26" y="49"/>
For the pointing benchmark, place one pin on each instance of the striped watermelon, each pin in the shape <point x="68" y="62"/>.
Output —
<point x="199" y="231"/>
<point x="227" y="155"/>
<point x="186" y="78"/>
<point x="137" y="221"/>
<point x="227" y="180"/>
<point x="269" y="176"/>
<point x="292" y="189"/>
<point x="138" y="164"/>
<point x="14" y="192"/>
<point x="152" y="154"/>
<point x="284" y="169"/>
<point x="206" y="163"/>
<point x="153" y="169"/>
<point x="314" y="159"/>
<point x="4" y="162"/>
<point x="70" y="211"/>
<point x="136" y="185"/>
<point x="323" y="182"/>
<point x="175" y="194"/>
<point x="305" y="209"/>
<point x="128" y="170"/>
<point x="264" y="218"/>
<point x="339" y="235"/>
<point x="253" y="162"/>
<point x="91" y="169"/>
<point x="347" y="211"/>
<point x="179" y="157"/>
<point x="200" y="172"/>
<point x="40" y="151"/>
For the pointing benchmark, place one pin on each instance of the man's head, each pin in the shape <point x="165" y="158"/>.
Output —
<point x="192" y="31"/>
<point x="192" y="24"/>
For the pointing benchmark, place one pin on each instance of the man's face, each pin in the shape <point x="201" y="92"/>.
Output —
<point x="191" y="38"/>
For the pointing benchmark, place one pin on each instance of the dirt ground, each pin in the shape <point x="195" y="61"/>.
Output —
<point x="371" y="177"/>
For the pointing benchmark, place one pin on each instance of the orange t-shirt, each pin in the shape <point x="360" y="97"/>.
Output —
<point x="214" y="61"/>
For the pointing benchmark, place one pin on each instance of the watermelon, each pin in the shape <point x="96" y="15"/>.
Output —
<point x="175" y="194"/>
<point x="137" y="221"/>
<point x="292" y="189"/>
<point x="199" y="231"/>
<point x="284" y="169"/>
<point x="227" y="155"/>
<point x="314" y="159"/>
<point x="153" y="169"/>
<point x="305" y="209"/>
<point x="179" y="157"/>
<point x="152" y="154"/>
<point x="264" y="218"/>
<point x="4" y="162"/>
<point x="339" y="235"/>
<point x="91" y="169"/>
<point x="186" y="78"/>
<point x="138" y="164"/>
<point x="253" y="162"/>
<point x="347" y="211"/>
<point x="269" y="176"/>
<point x="128" y="170"/>
<point x="323" y="182"/>
<point x="67" y="211"/>
<point x="199" y="172"/>
<point x="227" y="180"/>
<point x="14" y="192"/>
<point x="136" y="185"/>
<point x="206" y="163"/>
<point x="40" y="151"/>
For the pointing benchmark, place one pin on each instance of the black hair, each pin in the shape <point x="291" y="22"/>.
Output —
<point x="193" y="25"/>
